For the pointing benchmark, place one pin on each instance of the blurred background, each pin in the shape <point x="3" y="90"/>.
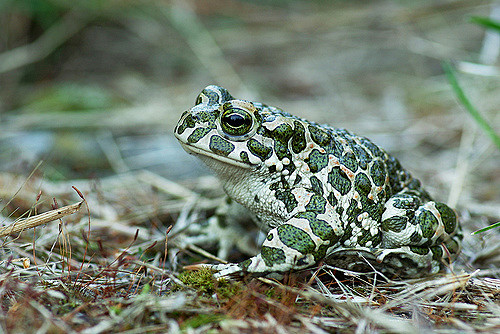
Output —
<point x="91" y="90"/>
<point x="94" y="88"/>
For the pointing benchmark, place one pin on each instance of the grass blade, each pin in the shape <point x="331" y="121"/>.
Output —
<point x="486" y="22"/>
<point x="487" y="228"/>
<point x="480" y="120"/>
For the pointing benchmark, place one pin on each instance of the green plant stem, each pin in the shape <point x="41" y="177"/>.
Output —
<point x="487" y="228"/>
<point x="486" y="22"/>
<point x="450" y="73"/>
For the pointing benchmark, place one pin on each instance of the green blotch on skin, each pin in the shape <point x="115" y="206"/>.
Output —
<point x="349" y="160"/>
<point x="347" y="233"/>
<point x="362" y="156"/>
<point x="373" y="209"/>
<point x="319" y="227"/>
<point x="245" y="264"/>
<point x="319" y="136"/>
<point x="220" y="146"/>
<point x="395" y="224"/>
<point x="297" y="180"/>
<point x="339" y="180"/>
<point x="339" y="209"/>
<point x="406" y="202"/>
<point x="281" y="150"/>
<point x="244" y="157"/>
<point x="197" y="135"/>
<point x="336" y="148"/>
<point x="378" y="173"/>
<point x="452" y="246"/>
<point x="258" y="149"/>
<point x="316" y="185"/>
<point x="332" y="199"/>
<point x="419" y="250"/>
<point x="296" y="238"/>
<point x="298" y="138"/>
<point x="415" y="185"/>
<point x="415" y="237"/>
<point x="209" y="118"/>
<point x="214" y="97"/>
<point x="395" y="173"/>
<point x="383" y="196"/>
<point x="288" y="199"/>
<point x="188" y="122"/>
<point x="272" y="256"/>
<point x="428" y="223"/>
<point x="448" y="217"/>
<point x="275" y="186"/>
<point x="362" y="184"/>
<point x="376" y="239"/>
<point x="352" y="213"/>
<point x="317" y="161"/>
<point x="365" y="237"/>
<point x="281" y="135"/>
<point x="317" y="204"/>
<point x="437" y="253"/>
<point x="320" y="253"/>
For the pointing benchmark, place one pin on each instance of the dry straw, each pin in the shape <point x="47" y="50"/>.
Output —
<point x="43" y="218"/>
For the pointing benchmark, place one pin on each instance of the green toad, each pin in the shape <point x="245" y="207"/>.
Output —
<point x="319" y="192"/>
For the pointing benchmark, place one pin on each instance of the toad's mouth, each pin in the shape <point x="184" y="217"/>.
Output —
<point x="209" y="154"/>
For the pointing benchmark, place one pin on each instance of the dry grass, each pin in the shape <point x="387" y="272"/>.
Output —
<point x="123" y="275"/>
<point x="116" y="264"/>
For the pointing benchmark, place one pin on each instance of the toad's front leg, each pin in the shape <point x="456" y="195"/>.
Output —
<point x="297" y="244"/>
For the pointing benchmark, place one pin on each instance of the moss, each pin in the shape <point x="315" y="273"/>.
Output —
<point x="204" y="282"/>
<point x="202" y="319"/>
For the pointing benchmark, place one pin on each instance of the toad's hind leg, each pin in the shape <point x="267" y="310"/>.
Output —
<point x="418" y="233"/>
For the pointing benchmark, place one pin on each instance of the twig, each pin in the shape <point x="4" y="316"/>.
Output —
<point x="205" y="254"/>
<point x="40" y="219"/>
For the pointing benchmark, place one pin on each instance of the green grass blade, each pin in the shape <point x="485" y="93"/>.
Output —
<point x="484" y="229"/>
<point x="452" y="79"/>
<point x="486" y="22"/>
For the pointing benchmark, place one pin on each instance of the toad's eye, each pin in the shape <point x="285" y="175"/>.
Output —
<point x="236" y="121"/>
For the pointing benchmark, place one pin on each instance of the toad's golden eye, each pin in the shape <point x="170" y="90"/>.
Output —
<point x="235" y="121"/>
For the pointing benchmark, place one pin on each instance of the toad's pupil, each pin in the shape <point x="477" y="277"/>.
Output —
<point x="236" y="120"/>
